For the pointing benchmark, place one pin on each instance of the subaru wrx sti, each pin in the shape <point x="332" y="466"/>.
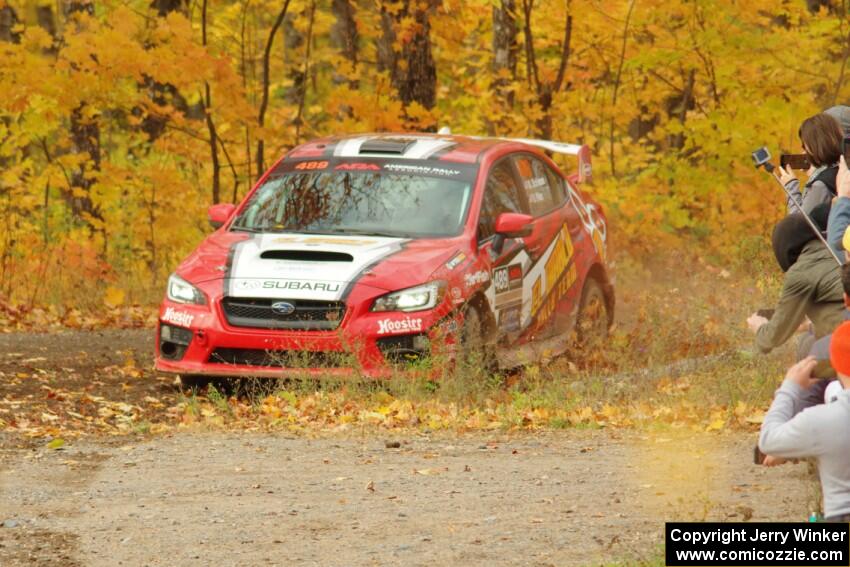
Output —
<point x="358" y="254"/>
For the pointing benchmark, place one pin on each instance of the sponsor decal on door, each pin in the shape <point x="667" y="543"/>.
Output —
<point x="556" y="280"/>
<point x="507" y="282"/>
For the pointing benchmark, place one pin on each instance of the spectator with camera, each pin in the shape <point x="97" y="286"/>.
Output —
<point x="821" y="136"/>
<point x="790" y="432"/>
<point x="811" y="288"/>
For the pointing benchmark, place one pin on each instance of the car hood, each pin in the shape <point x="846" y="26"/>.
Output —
<point x="312" y="266"/>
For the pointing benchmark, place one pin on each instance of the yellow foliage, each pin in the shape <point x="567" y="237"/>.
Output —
<point x="104" y="139"/>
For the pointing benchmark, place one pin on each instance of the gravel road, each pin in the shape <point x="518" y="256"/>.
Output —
<point x="559" y="498"/>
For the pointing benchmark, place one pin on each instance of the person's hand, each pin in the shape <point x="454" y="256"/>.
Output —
<point x="785" y="174"/>
<point x="806" y="325"/>
<point x="771" y="461"/>
<point x="801" y="373"/>
<point x="842" y="181"/>
<point x="755" y="321"/>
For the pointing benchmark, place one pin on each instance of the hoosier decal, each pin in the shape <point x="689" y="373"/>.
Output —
<point x="395" y="326"/>
<point x="181" y="318"/>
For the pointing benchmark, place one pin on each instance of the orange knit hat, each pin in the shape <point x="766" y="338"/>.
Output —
<point x="839" y="349"/>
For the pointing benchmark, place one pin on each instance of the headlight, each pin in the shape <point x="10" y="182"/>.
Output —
<point x="181" y="291"/>
<point x="417" y="298"/>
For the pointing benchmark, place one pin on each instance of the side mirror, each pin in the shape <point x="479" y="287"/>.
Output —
<point x="218" y="214"/>
<point x="510" y="225"/>
<point x="513" y="225"/>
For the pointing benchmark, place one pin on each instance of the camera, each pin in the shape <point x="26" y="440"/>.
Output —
<point x="761" y="156"/>
<point x="795" y="161"/>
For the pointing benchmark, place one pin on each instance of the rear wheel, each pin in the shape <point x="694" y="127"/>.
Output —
<point x="593" y="318"/>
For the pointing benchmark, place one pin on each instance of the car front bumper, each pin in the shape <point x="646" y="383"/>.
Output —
<point x="372" y="345"/>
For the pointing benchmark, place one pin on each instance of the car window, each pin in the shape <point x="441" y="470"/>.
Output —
<point x="535" y="176"/>
<point x="556" y="182"/>
<point x="501" y="195"/>
<point x="365" y="201"/>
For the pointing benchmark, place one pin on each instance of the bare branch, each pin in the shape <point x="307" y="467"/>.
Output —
<point x="565" y="52"/>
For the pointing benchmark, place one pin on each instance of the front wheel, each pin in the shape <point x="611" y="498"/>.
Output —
<point x="191" y="382"/>
<point x="475" y="349"/>
<point x="593" y="319"/>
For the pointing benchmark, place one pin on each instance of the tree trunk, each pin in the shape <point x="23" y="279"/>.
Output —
<point x="216" y="176"/>
<point x="302" y="95"/>
<point x="8" y="21"/>
<point x="85" y="139"/>
<point x="412" y="71"/>
<point x="617" y="89"/>
<point x="678" y="108"/>
<point x="546" y="91"/>
<point x="505" y="49"/>
<point x="344" y="36"/>
<point x="161" y="94"/>
<point x="165" y="7"/>
<point x="293" y="41"/>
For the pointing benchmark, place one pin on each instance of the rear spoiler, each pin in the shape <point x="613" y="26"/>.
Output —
<point x="585" y="168"/>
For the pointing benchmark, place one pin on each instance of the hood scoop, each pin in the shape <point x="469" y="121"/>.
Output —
<point x="307" y="256"/>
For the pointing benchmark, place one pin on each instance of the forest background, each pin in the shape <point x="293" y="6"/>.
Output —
<point x="122" y="120"/>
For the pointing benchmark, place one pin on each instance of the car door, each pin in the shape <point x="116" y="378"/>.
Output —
<point x="502" y="194"/>
<point x="552" y="271"/>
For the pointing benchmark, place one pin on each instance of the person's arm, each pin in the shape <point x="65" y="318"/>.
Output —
<point x="789" y="313"/>
<point x="839" y="214"/>
<point x="839" y="220"/>
<point x="784" y="432"/>
<point x="793" y="187"/>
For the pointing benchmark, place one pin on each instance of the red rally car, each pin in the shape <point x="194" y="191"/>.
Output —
<point x="356" y="254"/>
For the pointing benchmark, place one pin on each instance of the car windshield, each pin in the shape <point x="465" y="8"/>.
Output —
<point x="357" y="202"/>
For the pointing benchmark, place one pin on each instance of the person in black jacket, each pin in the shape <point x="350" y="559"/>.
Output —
<point x="821" y="136"/>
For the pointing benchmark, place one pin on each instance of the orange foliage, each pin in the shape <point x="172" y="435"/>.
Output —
<point x="105" y="155"/>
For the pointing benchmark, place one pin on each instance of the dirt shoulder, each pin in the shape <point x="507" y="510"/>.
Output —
<point x="557" y="498"/>
<point x="83" y="381"/>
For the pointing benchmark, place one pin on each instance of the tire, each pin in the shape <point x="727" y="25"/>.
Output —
<point x="191" y="382"/>
<point x="475" y="350"/>
<point x="592" y="323"/>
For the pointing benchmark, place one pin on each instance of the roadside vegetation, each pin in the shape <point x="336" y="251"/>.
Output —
<point x="679" y="357"/>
